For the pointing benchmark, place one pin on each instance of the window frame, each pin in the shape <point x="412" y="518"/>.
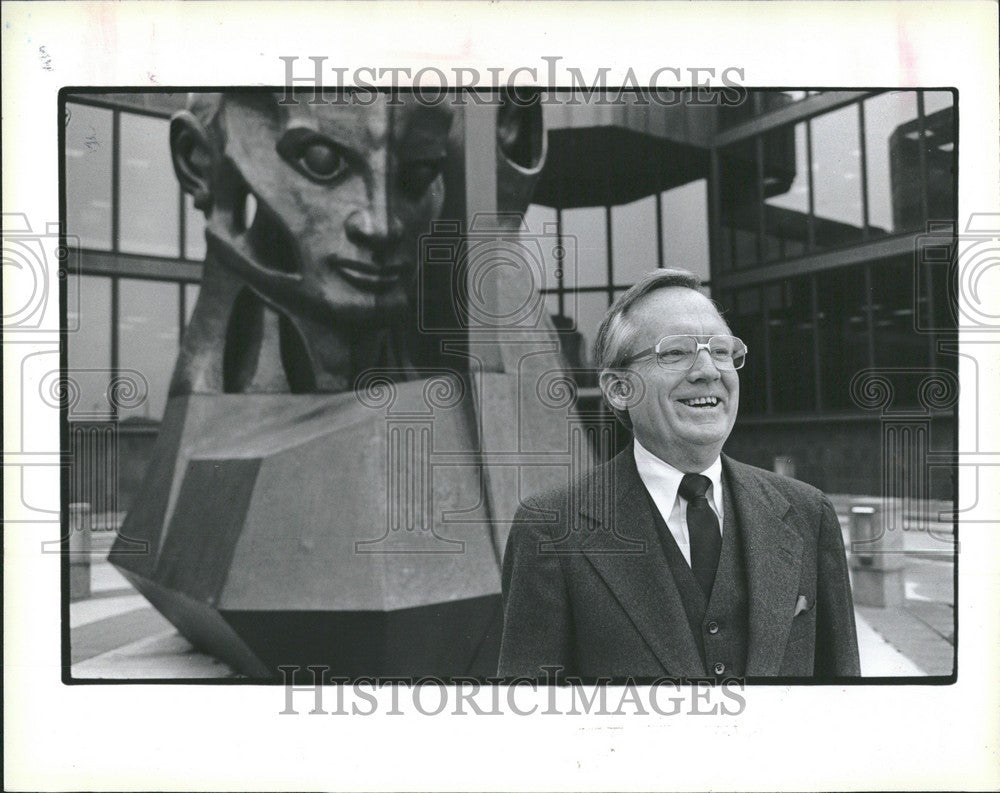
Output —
<point x="867" y="252"/>
<point x="111" y="263"/>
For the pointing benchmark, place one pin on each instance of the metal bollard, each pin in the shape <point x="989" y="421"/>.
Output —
<point x="79" y="551"/>
<point x="877" y="557"/>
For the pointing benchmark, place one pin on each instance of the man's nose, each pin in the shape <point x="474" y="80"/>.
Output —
<point x="704" y="367"/>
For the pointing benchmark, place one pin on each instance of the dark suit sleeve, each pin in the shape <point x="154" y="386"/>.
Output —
<point x="836" y="634"/>
<point x="537" y="620"/>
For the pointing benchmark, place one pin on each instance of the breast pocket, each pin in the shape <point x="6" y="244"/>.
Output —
<point x="804" y="622"/>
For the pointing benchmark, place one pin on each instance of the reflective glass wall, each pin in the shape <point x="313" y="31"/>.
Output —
<point x="611" y="247"/>
<point x="877" y="165"/>
<point x="819" y="206"/>
<point x="142" y="245"/>
<point x="801" y="224"/>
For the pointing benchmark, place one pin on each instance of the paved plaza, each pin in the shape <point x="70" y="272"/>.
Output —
<point x="116" y="634"/>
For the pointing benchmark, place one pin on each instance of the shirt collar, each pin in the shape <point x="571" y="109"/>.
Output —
<point x="662" y="479"/>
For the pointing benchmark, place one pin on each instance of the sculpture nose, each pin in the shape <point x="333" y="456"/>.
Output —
<point x="374" y="226"/>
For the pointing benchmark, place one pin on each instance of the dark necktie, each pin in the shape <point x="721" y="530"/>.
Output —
<point x="703" y="530"/>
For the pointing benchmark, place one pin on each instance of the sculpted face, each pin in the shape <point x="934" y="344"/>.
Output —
<point x="320" y="207"/>
<point x="687" y="436"/>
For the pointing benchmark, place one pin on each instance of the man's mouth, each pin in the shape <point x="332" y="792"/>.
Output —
<point x="700" y="402"/>
<point x="368" y="276"/>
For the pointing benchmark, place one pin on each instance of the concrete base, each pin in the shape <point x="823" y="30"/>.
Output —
<point x="879" y="588"/>
<point x="361" y="532"/>
<point x="79" y="551"/>
<point x="79" y="581"/>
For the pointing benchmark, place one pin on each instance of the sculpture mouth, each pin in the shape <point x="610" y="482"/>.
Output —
<point x="367" y="276"/>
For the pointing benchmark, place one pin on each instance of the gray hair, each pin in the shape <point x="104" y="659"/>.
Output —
<point x="616" y="335"/>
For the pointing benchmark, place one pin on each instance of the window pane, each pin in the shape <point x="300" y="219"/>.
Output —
<point x="194" y="231"/>
<point x="552" y="307"/>
<point x="149" y="190"/>
<point x="148" y="338"/>
<point x="938" y="302"/>
<point x="744" y="316"/>
<point x="791" y="328"/>
<point x="939" y="126"/>
<point x="786" y="191"/>
<point x="897" y="342"/>
<point x="758" y="103"/>
<point x="571" y="341"/>
<point x="190" y="298"/>
<point x="88" y="343"/>
<point x="738" y="202"/>
<point x="88" y="175"/>
<point x="591" y="308"/>
<point x="941" y="295"/>
<point x="588" y="227"/>
<point x="541" y="221"/>
<point x="685" y="228"/>
<point x="843" y="333"/>
<point x="633" y="236"/>
<point x="893" y="168"/>
<point x="836" y="173"/>
<point x="937" y="100"/>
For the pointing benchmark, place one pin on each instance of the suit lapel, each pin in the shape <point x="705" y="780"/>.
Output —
<point x="773" y="551"/>
<point x="626" y="552"/>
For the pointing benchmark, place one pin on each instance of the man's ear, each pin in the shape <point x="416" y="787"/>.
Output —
<point x="621" y="388"/>
<point x="191" y="152"/>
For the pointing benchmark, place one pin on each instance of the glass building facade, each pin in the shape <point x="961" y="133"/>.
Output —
<point x="142" y="246"/>
<point x="800" y="211"/>
<point x="805" y="229"/>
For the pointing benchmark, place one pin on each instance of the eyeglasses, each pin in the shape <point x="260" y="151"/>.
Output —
<point x="679" y="353"/>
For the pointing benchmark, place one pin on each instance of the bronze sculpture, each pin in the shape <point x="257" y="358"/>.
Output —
<point x="317" y="281"/>
<point x="351" y="421"/>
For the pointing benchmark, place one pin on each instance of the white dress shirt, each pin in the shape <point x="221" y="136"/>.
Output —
<point x="663" y="482"/>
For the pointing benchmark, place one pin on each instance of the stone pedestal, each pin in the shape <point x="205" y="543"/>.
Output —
<point x="79" y="551"/>
<point x="878" y="558"/>
<point x="361" y="532"/>
<point x="308" y="530"/>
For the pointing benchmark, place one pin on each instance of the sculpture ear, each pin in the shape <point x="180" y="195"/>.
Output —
<point x="520" y="130"/>
<point x="191" y="152"/>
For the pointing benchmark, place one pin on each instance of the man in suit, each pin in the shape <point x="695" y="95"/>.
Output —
<point x="673" y="559"/>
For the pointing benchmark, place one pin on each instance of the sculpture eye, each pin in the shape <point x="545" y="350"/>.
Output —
<point x="314" y="156"/>
<point x="321" y="161"/>
<point x="415" y="177"/>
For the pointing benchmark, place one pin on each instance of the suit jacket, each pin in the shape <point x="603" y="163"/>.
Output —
<point x="587" y="586"/>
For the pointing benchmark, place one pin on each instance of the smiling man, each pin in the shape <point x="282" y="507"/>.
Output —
<point x="672" y="559"/>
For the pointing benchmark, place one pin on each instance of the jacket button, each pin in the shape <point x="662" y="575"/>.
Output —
<point x="713" y="627"/>
<point x="720" y="668"/>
